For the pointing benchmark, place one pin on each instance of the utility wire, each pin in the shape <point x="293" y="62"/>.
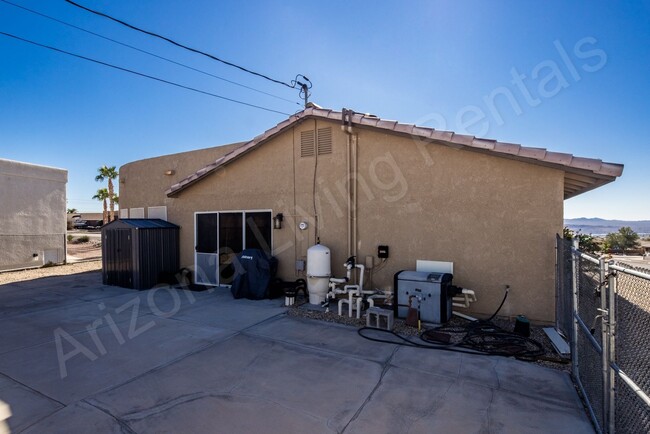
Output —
<point x="147" y="52"/>
<point x="178" y="44"/>
<point x="142" y="74"/>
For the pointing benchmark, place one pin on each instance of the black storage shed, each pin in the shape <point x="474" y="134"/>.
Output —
<point x="138" y="253"/>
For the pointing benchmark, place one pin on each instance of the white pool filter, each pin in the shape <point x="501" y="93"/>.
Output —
<point x="319" y="271"/>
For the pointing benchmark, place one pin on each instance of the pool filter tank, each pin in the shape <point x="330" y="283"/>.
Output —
<point x="319" y="271"/>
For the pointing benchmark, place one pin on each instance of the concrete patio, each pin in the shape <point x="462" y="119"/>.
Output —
<point x="80" y="357"/>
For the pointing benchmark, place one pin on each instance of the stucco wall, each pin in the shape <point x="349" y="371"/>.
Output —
<point x="32" y="215"/>
<point x="494" y="218"/>
<point x="148" y="180"/>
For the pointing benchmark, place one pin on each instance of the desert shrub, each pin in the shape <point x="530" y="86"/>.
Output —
<point x="82" y="239"/>
<point x="70" y="238"/>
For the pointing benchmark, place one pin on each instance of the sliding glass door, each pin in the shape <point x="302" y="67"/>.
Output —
<point x="206" y="258"/>
<point x="221" y="236"/>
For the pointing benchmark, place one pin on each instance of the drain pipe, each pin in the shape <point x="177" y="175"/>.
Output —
<point x="346" y="118"/>
<point x="349" y="195"/>
<point x="355" y="168"/>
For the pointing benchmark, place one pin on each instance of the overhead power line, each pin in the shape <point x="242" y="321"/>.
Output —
<point x="142" y="74"/>
<point x="146" y="52"/>
<point x="291" y="85"/>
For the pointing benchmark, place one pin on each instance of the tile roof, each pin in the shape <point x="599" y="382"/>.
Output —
<point x="581" y="174"/>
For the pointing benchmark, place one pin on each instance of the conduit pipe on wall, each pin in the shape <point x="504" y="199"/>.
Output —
<point x="352" y="169"/>
<point x="355" y="170"/>
<point x="348" y="159"/>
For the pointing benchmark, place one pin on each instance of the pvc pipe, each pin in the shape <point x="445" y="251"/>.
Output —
<point x="363" y="272"/>
<point x="462" y="315"/>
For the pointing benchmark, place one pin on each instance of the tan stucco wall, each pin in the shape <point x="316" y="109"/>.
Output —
<point x="151" y="181"/>
<point x="32" y="215"/>
<point x="495" y="218"/>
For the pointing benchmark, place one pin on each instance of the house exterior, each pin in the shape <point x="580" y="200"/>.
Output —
<point x="356" y="182"/>
<point x="645" y="247"/>
<point x="32" y="215"/>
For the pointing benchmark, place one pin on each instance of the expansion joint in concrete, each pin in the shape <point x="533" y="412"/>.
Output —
<point x="385" y="368"/>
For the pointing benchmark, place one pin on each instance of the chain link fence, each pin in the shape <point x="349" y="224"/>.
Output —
<point x="564" y="293"/>
<point x="608" y="323"/>
<point x="632" y="313"/>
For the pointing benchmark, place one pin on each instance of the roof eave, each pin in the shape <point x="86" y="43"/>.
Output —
<point x="596" y="172"/>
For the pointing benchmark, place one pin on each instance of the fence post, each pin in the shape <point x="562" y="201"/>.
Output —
<point x="574" y="308"/>
<point x="611" y="347"/>
<point x="605" y="333"/>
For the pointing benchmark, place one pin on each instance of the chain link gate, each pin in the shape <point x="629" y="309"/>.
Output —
<point x="609" y="313"/>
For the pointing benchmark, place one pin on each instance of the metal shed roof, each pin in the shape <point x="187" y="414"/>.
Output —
<point x="140" y="224"/>
<point x="580" y="174"/>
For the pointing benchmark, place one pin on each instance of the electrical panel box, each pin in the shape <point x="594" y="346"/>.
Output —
<point x="300" y="265"/>
<point x="382" y="252"/>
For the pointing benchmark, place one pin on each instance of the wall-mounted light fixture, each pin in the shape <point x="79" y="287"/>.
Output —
<point x="277" y="221"/>
<point x="35" y="256"/>
<point x="169" y="172"/>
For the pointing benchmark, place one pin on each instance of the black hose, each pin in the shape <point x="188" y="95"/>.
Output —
<point x="479" y="337"/>
<point x="501" y="305"/>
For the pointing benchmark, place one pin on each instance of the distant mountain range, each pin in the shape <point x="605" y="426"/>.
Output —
<point x="598" y="226"/>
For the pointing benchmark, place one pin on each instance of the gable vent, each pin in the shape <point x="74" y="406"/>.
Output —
<point x="307" y="143"/>
<point x="324" y="141"/>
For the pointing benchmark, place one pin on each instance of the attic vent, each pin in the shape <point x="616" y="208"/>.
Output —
<point x="324" y="141"/>
<point x="307" y="143"/>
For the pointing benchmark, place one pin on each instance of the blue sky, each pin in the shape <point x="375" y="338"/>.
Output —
<point x="585" y="64"/>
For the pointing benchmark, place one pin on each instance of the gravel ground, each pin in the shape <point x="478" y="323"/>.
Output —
<point x="92" y="249"/>
<point x="550" y="359"/>
<point x="57" y="270"/>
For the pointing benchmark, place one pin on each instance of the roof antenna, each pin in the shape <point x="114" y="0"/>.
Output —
<point x="305" y="85"/>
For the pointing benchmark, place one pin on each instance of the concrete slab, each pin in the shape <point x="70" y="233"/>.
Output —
<point x="26" y="300"/>
<point x="25" y="406"/>
<point x="247" y="366"/>
<point x="403" y="397"/>
<point x="331" y="337"/>
<point x="79" y="417"/>
<point x="209" y="363"/>
<point x="319" y="384"/>
<point x="22" y="331"/>
<point x="227" y="315"/>
<point x="512" y="412"/>
<point x="228" y="414"/>
<point x="216" y="369"/>
<point x="536" y="382"/>
<point x="114" y="355"/>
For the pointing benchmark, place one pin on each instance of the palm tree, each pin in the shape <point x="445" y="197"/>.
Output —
<point x="109" y="173"/>
<point x="72" y="210"/>
<point x="102" y="194"/>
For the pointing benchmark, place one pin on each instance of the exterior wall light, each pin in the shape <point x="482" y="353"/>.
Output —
<point x="277" y="221"/>
<point x="35" y="256"/>
<point x="169" y="172"/>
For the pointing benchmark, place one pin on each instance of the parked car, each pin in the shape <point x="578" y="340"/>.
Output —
<point x="87" y="224"/>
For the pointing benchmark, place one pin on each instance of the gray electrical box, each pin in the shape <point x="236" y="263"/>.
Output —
<point x="431" y="292"/>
